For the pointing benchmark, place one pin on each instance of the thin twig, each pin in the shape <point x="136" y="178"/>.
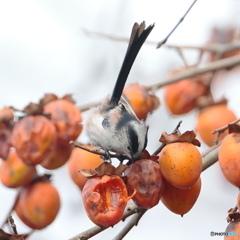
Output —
<point x="163" y="144"/>
<point x="180" y="52"/>
<point x="221" y="129"/>
<point x="181" y="19"/>
<point x="12" y="208"/>
<point x="97" y="151"/>
<point x="129" y="211"/>
<point x="213" y="47"/>
<point x="12" y="223"/>
<point x="133" y="222"/>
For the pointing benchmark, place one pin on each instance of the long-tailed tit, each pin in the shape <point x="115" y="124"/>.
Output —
<point x="113" y="125"/>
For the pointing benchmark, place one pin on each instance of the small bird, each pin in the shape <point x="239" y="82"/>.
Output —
<point x="113" y="125"/>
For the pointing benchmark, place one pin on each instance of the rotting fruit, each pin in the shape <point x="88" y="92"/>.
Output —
<point x="38" y="204"/>
<point x="66" y="117"/>
<point x="105" y="198"/>
<point x="33" y="137"/>
<point x="58" y="156"/>
<point x="144" y="177"/>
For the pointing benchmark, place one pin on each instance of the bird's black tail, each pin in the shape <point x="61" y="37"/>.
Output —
<point x="138" y="36"/>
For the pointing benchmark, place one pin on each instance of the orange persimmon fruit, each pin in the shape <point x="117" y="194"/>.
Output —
<point x="32" y="137"/>
<point x="66" y="117"/>
<point x="181" y="97"/>
<point x="105" y="198"/>
<point x="211" y="118"/>
<point x="38" y="204"/>
<point x="141" y="100"/>
<point x="58" y="156"/>
<point x="181" y="164"/>
<point x="144" y="177"/>
<point x="180" y="201"/>
<point x="14" y="172"/>
<point x="81" y="159"/>
<point x="229" y="158"/>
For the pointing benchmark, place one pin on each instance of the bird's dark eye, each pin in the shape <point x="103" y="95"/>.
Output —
<point x="129" y="148"/>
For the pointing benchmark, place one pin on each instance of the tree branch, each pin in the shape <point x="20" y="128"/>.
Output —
<point x="210" y="67"/>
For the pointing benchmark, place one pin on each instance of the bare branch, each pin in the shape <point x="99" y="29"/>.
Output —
<point x="216" y="65"/>
<point x="181" y="19"/>
<point x="97" y="151"/>
<point x="133" y="222"/>
<point x="221" y="129"/>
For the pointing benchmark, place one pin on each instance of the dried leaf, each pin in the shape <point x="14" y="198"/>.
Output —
<point x="33" y="108"/>
<point x="88" y="173"/>
<point x="69" y="98"/>
<point x="188" y="136"/>
<point x="120" y="169"/>
<point x="105" y="168"/>
<point x="233" y="128"/>
<point x="48" y="97"/>
<point x="6" y="114"/>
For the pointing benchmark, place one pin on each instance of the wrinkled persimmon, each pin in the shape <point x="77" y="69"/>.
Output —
<point x="81" y="159"/>
<point x="180" y="201"/>
<point x="229" y="158"/>
<point x="67" y="119"/>
<point x="58" y="156"/>
<point x="105" y="198"/>
<point x="144" y="177"/>
<point x="38" y="204"/>
<point x="211" y="118"/>
<point x="181" y="164"/>
<point x="14" y="172"/>
<point x="32" y="137"/>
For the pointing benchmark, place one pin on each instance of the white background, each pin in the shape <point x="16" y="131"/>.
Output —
<point x="43" y="49"/>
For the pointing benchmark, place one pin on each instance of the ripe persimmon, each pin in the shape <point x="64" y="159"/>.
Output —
<point x="144" y="177"/>
<point x="81" y="159"/>
<point x="181" y="164"/>
<point x="141" y="100"/>
<point x="66" y="117"/>
<point x="105" y="198"/>
<point x="180" y="201"/>
<point x="14" y="172"/>
<point x="211" y="118"/>
<point x="229" y="158"/>
<point x="32" y="137"/>
<point x="38" y="204"/>
<point x="181" y="97"/>
<point x="58" y="156"/>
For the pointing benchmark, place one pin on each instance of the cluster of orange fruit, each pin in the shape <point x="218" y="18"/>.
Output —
<point x="40" y="137"/>
<point x="172" y="177"/>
